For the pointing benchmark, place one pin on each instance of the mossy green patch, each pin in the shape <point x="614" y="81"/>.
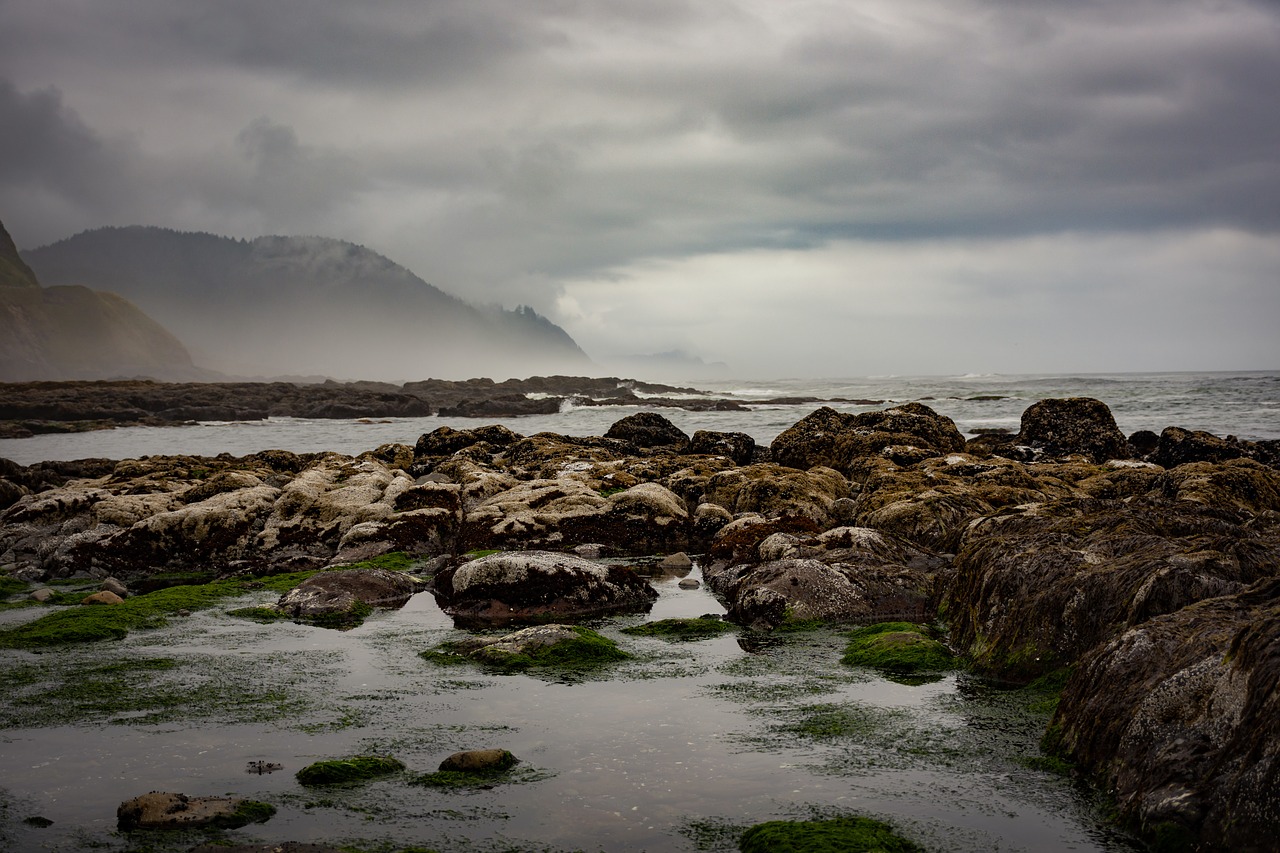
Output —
<point x="837" y="835"/>
<point x="899" y="648"/>
<point x="114" y="621"/>
<point x="341" y="620"/>
<point x="347" y="770"/>
<point x="12" y="586"/>
<point x="247" y="812"/>
<point x="258" y="614"/>
<point x="585" y="650"/>
<point x="682" y="629"/>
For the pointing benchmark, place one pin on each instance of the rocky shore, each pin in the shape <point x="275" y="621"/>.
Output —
<point x="31" y="408"/>
<point x="1144" y="570"/>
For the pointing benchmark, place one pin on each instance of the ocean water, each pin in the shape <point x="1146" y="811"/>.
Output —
<point x="1244" y="404"/>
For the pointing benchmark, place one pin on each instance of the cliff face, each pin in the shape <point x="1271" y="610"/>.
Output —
<point x="306" y="306"/>
<point x="77" y="333"/>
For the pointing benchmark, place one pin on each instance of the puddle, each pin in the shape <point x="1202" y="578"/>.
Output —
<point x="677" y="749"/>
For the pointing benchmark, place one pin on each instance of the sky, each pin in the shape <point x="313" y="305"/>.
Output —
<point x="800" y="188"/>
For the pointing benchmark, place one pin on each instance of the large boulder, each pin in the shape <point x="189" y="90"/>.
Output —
<point x="1177" y="717"/>
<point x="1037" y="587"/>
<point x="446" y="441"/>
<point x="847" y="574"/>
<point x="737" y="446"/>
<point x="537" y="586"/>
<point x="165" y="810"/>
<point x="1073" y="425"/>
<point x="771" y="489"/>
<point x="648" y="430"/>
<point x="838" y="439"/>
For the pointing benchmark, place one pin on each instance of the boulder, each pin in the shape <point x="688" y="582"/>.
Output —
<point x="1177" y="446"/>
<point x="648" y="430"/>
<point x="838" y="439"/>
<point x="737" y="446"/>
<point x="446" y="441"/>
<point x="535" y="586"/>
<point x="479" y="761"/>
<point x="1177" y="717"/>
<point x="342" y="598"/>
<point x="1073" y="425"/>
<point x="1037" y="587"/>
<point x="775" y="490"/>
<point x="102" y="597"/>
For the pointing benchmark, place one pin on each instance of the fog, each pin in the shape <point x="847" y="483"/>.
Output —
<point x="822" y="189"/>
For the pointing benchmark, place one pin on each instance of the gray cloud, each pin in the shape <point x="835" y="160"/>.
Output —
<point x="522" y="152"/>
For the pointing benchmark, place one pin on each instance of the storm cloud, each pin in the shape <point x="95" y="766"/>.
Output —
<point x="827" y="188"/>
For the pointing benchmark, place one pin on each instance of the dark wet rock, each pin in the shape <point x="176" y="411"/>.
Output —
<point x="503" y="406"/>
<point x="678" y="562"/>
<point x="534" y="586"/>
<point x="1177" y="718"/>
<point x="689" y="583"/>
<point x="164" y="810"/>
<point x="342" y="598"/>
<point x="114" y="586"/>
<point x="738" y="446"/>
<point x="446" y="441"/>
<point x="837" y="439"/>
<point x="648" y="430"/>
<point x="1177" y="446"/>
<point x="1073" y="425"/>
<point x="479" y="761"/>
<point x="1038" y="587"/>
<point x="1143" y="443"/>
<point x="1238" y="483"/>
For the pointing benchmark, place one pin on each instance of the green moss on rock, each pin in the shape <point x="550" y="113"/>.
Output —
<point x="348" y="770"/>
<point x="837" y="835"/>
<point x="545" y="646"/>
<point x="681" y="629"/>
<point x="897" y="647"/>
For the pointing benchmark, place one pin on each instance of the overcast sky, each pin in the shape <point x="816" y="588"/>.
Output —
<point x="792" y="188"/>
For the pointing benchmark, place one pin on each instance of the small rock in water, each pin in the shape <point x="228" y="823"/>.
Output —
<point x="689" y="583"/>
<point x="113" y="585"/>
<point x="479" y="761"/>
<point x="678" y="560"/>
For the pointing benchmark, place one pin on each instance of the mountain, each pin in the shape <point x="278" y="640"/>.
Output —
<point x="305" y="306"/>
<point x="77" y="333"/>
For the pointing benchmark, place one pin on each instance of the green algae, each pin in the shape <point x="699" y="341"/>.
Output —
<point x="897" y="648"/>
<point x="587" y="650"/>
<point x="115" y="621"/>
<point x="10" y="587"/>
<point x="459" y="780"/>
<point x="345" y="771"/>
<point x="263" y="615"/>
<point x="836" y="835"/>
<point x="701" y="628"/>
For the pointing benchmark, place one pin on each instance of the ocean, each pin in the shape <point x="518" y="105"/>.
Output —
<point x="1245" y="404"/>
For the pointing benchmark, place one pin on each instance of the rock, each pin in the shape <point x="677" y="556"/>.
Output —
<point x="678" y="561"/>
<point x="737" y="446"/>
<point x="113" y="585"/>
<point x="848" y="575"/>
<point x="1177" y="446"/>
<point x="103" y="597"/>
<point x="837" y="439"/>
<point x="1038" y="587"/>
<point x="446" y="441"/>
<point x="772" y="489"/>
<point x="1177" y="717"/>
<point x="689" y="583"/>
<point x="42" y="595"/>
<point x="479" y="761"/>
<point x="1073" y="425"/>
<point x="648" y="430"/>
<point x="343" y="598"/>
<point x="538" y="585"/>
<point x="162" y="810"/>
<point x="563" y="646"/>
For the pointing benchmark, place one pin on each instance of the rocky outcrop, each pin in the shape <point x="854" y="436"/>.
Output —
<point x="909" y="433"/>
<point x="164" y="810"/>
<point x="1176" y="717"/>
<point x="1074" y="425"/>
<point x="648" y="430"/>
<point x="1038" y="587"/>
<point x="538" y="586"/>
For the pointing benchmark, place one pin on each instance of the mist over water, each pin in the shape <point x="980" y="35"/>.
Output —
<point x="1244" y="404"/>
